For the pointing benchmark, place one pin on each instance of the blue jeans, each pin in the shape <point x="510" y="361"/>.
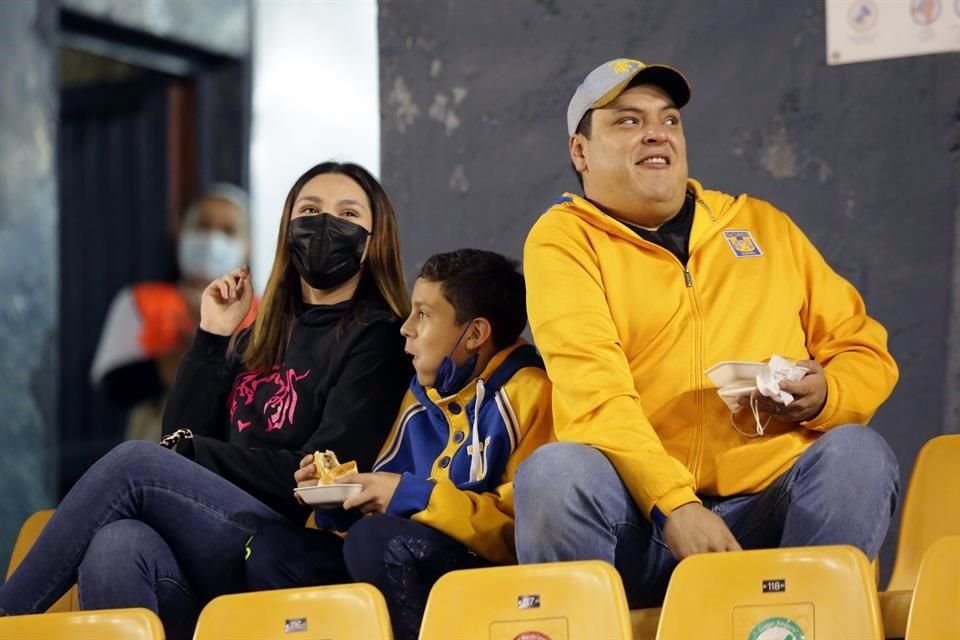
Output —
<point x="143" y="527"/>
<point x="571" y="505"/>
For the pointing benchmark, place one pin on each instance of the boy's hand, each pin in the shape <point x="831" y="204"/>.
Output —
<point x="378" y="490"/>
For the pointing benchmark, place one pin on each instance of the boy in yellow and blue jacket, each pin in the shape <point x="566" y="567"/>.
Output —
<point x="440" y="496"/>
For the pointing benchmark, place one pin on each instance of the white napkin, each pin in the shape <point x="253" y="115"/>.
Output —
<point x="778" y="370"/>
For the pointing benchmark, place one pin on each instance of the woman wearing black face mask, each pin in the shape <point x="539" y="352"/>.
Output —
<point x="322" y="368"/>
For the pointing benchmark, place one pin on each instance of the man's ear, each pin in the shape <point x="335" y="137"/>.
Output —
<point x="480" y="333"/>
<point x="577" y="152"/>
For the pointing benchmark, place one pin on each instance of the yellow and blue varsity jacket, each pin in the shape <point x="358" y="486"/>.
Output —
<point x="458" y="455"/>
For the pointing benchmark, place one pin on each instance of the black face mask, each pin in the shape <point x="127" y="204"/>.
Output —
<point x="325" y="249"/>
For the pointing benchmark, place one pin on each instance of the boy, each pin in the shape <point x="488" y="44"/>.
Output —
<point x="440" y="496"/>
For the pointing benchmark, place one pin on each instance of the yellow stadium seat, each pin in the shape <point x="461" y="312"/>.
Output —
<point x="814" y="593"/>
<point x="644" y="623"/>
<point x="107" y="624"/>
<point x="935" y="610"/>
<point x="559" y="601"/>
<point x="926" y="517"/>
<point x="314" y="613"/>
<point x="31" y="528"/>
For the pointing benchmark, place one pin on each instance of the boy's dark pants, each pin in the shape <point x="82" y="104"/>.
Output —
<point x="400" y="557"/>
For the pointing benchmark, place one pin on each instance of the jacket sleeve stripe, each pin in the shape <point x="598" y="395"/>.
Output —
<point x="394" y="447"/>
<point x="509" y="418"/>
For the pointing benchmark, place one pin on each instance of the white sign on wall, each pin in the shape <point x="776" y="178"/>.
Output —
<point x="861" y="30"/>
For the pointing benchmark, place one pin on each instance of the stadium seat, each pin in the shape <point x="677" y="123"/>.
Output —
<point x="313" y="613"/>
<point x="107" y="624"/>
<point x="934" y="482"/>
<point x="644" y="623"/>
<point x="935" y="610"/>
<point x="29" y="532"/>
<point x="559" y="601"/>
<point x="803" y="592"/>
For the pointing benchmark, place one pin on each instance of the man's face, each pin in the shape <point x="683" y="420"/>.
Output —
<point x="431" y="331"/>
<point x="634" y="164"/>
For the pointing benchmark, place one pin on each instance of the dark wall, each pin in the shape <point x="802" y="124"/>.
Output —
<point x="864" y="157"/>
<point x="29" y="234"/>
<point x="28" y="263"/>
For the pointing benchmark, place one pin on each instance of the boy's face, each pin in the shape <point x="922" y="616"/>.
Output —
<point x="431" y="331"/>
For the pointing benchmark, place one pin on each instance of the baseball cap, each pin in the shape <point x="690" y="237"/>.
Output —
<point x="607" y="81"/>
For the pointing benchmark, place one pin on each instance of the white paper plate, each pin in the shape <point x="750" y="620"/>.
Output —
<point x="736" y="392"/>
<point x="734" y="373"/>
<point x="327" y="495"/>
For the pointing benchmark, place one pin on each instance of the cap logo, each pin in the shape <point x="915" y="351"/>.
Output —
<point x="624" y="65"/>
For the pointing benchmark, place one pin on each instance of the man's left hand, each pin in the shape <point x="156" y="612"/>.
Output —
<point x="378" y="490"/>
<point x="809" y="396"/>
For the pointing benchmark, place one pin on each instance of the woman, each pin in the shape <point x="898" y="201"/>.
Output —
<point x="322" y="368"/>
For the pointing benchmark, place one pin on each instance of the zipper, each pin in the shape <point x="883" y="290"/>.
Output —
<point x="696" y="457"/>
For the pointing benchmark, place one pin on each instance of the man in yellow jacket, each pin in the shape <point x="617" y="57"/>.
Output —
<point x="633" y="292"/>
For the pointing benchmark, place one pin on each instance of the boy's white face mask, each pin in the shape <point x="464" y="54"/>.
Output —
<point x="766" y="381"/>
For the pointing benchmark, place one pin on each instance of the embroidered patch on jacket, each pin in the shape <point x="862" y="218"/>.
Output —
<point x="742" y="244"/>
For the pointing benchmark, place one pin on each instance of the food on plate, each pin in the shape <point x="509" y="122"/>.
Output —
<point x="329" y="469"/>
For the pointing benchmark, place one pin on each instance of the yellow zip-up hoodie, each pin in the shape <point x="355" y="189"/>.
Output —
<point x="627" y="332"/>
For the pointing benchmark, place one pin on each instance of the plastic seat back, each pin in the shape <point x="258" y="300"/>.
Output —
<point x="935" y="609"/>
<point x="806" y="592"/>
<point x="29" y="532"/>
<point x="355" y="611"/>
<point x="559" y="601"/>
<point x="929" y="508"/>
<point x="108" y="624"/>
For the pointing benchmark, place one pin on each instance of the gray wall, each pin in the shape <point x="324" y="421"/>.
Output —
<point x="864" y="157"/>
<point x="217" y="26"/>
<point x="28" y="263"/>
<point x="29" y="249"/>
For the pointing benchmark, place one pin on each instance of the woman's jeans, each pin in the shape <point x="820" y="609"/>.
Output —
<point x="144" y="527"/>
<point x="571" y="505"/>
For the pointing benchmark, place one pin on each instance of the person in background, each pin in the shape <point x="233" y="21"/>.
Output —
<point x="150" y="325"/>
<point x="322" y="367"/>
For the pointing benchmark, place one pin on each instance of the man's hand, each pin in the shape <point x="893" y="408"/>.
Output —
<point x="378" y="490"/>
<point x="809" y="396"/>
<point x="693" y="528"/>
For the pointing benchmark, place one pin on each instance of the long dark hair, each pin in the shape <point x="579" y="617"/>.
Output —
<point x="381" y="278"/>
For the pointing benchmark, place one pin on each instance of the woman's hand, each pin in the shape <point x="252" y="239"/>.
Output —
<point x="306" y="475"/>
<point x="226" y="302"/>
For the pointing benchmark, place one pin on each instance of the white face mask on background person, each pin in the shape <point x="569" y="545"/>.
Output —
<point x="206" y="255"/>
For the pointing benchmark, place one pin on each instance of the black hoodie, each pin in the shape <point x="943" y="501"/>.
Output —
<point x="338" y="388"/>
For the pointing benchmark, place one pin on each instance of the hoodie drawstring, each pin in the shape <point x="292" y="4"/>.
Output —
<point x="476" y="459"/>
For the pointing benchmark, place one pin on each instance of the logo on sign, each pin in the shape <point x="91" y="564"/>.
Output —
<point x="777" y="629"/>
<point x="862" y="15"/>
<point x="532" y="635"/>
<point x="924" y="12"/>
